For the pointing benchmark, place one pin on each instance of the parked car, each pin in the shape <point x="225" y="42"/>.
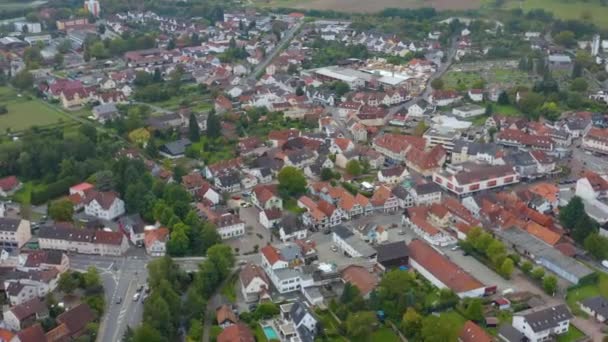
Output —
<point x="119" y="300"/>
<point x="334" y="248"/>
<point x="136" y="296"/>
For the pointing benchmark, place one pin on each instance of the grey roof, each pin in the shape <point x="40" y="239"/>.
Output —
<point x="427" y="188"/>
<point x="286" y="273"/>
<point x="474" y="148"/>
<point x="520" y="159"/>
<point x="229" y="179"/>
<point x="9" y="224"/>
<point x="134" y="221"/>
<point x="541" y="320"/>
<point x="105" y="109"/>
<point x="298" y="312"/>
<point x="343" y="232"/>
<point x="391" y="251"/>
<point x="507" y="333"/>
<point x="176" y="148"/>
<point x="560" y="58"/>
<point x="289" y="251"/>
<point x="597" y="304"/>
<point x="544" y="253"/>
<point x="291" y="223"/>
<point x="400" y="192"/>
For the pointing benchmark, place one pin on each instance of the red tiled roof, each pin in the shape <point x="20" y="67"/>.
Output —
<point x="151" y="236"/>
<point x="108" y="238"/>
<point x="104" y="198"/>
<point x="360" y="277"/>
<point x="271" y="254"/>
<point x="239" y="332"/>
<point x="224" y="313"/>
<point x="441" y="268"/>
<point x="472" y="332"/>
<point x="35" y="333"/>
<point x="9" y="183"/>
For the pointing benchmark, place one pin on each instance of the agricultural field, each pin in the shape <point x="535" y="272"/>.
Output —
<point x="366" y="6"/>
<point x="463" y="76"/>
<point x="25" y="112"/>
<point x="567" y="9"/>
<point x="16" y="4"/>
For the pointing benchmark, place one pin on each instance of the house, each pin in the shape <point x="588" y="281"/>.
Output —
<point x="476" y="95"/>
<point x="541" y="324"/>
<point x="253" y="282"/>
<point x="25" y="314"/>
<point x="597" y="307"/>
<point x="468" y="178"/>
<point x="596" y="140"/>
<point x="193" y="182"/>
<point x="105" y="205"/>
<point x="472" y="332"/>
<point x="392" y="255"/>
<point x="442" y="98"/>
<point x="266" y="197"/>
<point x="225" y="317"/>
<point x="269" y="218"/>
<point x="426" y="162"/>
<point x="229" y="226"/>
<point x="393" y="175"/>
<point x="281" y="264"/>
<point x="372" y="233"/>
<point x="9" y="185"/>
<point x="396" y="146"/>
<point x="155" y="241"/>
<point x="468" y="111"/>
<point x="239" y="332"/>
<point x="350" y="245"/>
<point x="133" y="226"/>
<point x="419" y="220"/>
<point x="361" y="278"/>
<point x="384" y="200"/>
<point x="23" y="286"/>
<point x="291" y="227"/>
<point x="304" y="321"/>
<point x="175" y="149"/>
<point x="420" y="108"/>
<point x="14" y="233"/>
<point x="507" y="333"/>
<point x="34" y="333"/>
<point x="72" y="323"/>
<point x="229" y="182"/>
<point x="44" y="260"/>
<point x="85" y="241"/>
<point x="442" y="272"/>
<point x="207" y="193"/>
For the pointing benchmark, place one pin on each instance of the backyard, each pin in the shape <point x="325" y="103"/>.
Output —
<point x="24" y="112"/>
<point x="573" y="335"/>
<point x="583" y="292"/>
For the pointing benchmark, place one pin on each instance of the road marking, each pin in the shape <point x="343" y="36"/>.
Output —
<point x="125" y="307"/>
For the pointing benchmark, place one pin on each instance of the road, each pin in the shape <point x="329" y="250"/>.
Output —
<point x="287" y="37"/>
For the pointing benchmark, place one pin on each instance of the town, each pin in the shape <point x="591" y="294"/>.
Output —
<point x="219" y="171"/>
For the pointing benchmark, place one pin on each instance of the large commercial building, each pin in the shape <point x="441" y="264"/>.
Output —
<point x="468" y="178"/>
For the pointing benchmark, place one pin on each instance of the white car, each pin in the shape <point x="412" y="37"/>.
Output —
<point x="605" y="263"/>
<point x="136" y="296"/>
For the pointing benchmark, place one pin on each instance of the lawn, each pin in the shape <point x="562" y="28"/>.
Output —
<point x="330" y="325"/>
<point x="384" y="334"/>
<point x="577" y="294"/>
<point x="16" y="5"/>
<point x="462" y="78"/>
<point x="259" y="334"/>
<point x="292" y="205"/>
<point x="23" y="196"/>
<point x="567" y="9"/>
<point x="212" y="151"/>
<point x="25" y="112"/>
<point x="229" y="290"/>
<point x="573" y="335"/>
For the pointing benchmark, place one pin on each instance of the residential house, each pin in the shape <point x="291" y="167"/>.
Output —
<point x="155" y="241"/>
<point x="175" y="149"/>
<point x="292" y="228"/>
<point x="229" y="182"/>
<point x="225" y="317"/>
<point x="419" y="220"/>
<point x="266" y="197"/>
<point x="25" y="314"/>
<point x="361" y="278"/>
<point x="596" y="307"/>
<point x="229" y="226"/>
<point x="541" y="324"/>
<point x="476" y="95"/>
<point x="596" y="140"/>
<point x="239" y="332"/>
<point x="472" y="332"/>
<point x="468" y="111"/>
<point x="346" y="241"/>
<point x="384" y="200"/>
<point x="193" y="182"/>
<point x="72" y="323"/>
<point x="420" y="108"/>
<point x="442" y="98"/>
<point x="393" y="175"/>
<point x="9" y="185"/>
<point x="372" y="233"/>
<point x="269" y="218"/>
<point x="14" y="233"/>
<point x="133" y="226"/>
<point x="104" y="205"/>
<point x="396" y="146"/>
<point x="85" y="241"/>
<point x="253" y="281"/>
<point x="304" y="321"/>
<point x="426" y="163"/>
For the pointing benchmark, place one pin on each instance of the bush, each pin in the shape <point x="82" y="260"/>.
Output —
<point x="52" y="190"/>
<point x="3" y="109"/>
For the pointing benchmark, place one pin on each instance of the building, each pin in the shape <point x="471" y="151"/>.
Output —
<point x="597" y="307"/>
<point x="229" y="226"/>
<point x="254" y="282"/>
<point x="291" y="227"/>
<point x="304" y="321"/>
<point x="27" y="27"/>
<point x="472" y="332"/>
<point x="175" y="149"/>
<point x="9" y="185"/>
<point x="92" y="7"/>
<point x="543" y="324"/>
<point x="468" y="178"/>
<point x="468" y="111"/>
<point x="155" y="241"/>
<point x="25" y="314"/>
<point x="14" y="233"/>
<point x="282" y="265"/>
<point x="85" y="241"/>
<point x="596" y="140"/>
<point x="392" y="255"/>
<point x="350" y="245"/>
<point x="239" y="332"/>
<point x="225" y="317"/>
<point x="266" y="197"/>
<point x="361" y="278"/>
<point x="441" y="272"/>
<point x="105" y="205"/>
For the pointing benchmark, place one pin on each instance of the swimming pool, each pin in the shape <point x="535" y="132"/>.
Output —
<point x="270" y="333"/>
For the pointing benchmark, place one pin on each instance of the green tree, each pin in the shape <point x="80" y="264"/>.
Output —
<point x="194" y="132"/>
<point x="437" y="84"/>
<point x="439" y="329"/>
<point x="550" y="284"/>
<point x="179" y="244"/>
<point x="526" y="267"/>
<point x="326" y="174"/>
<point x="579" y="84"/>
<point x="91" y="279"/>
<point x="67" y="283"/>
<point x="503" y="98"/>
<point x="538" y="273"/>
<point x="64" y="46"/>
<point x="596" y="244"/>
<point x="145" y="333"/>
<point x="411" y="322"/>
<point x="292" y="181"/>
<point x="353" y="167"/>
<point x="214" y="125"/>
<point x="506" y="269"/>
<point x="584" y="227"/>
<point x="565" y="38"/>
<point x="340" y="88"/>
<point x="222" y="258"/>
<point x="61" y="210"/>
<point x="23" y="80"/>
<point x="569" y="215"/>
<point x="474" y="310"/>
<point x="361" y="324"/>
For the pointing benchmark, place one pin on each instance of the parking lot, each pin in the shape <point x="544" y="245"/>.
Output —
<point x="255" y="233"/>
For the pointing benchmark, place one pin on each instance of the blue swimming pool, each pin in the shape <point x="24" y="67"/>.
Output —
<point x="270" y="333"/>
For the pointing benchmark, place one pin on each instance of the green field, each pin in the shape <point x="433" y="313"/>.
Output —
<point x="567" y="9"/>
<point x="15" y="5"/>
<point x="24" y="113"/>
<point x="573" y="335"/>
<point x="580" y="293"/>
<point x="464" y="80"/>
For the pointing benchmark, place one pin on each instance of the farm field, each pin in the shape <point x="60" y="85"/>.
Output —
<point x="505" y="73"/>
<point x="366" y="6"/>
<point x="15" y="4"/>
<point x="567" y="9"/>
<point x="24" y="113"/>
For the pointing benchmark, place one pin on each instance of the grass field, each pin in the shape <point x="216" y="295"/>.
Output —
<point x="366" y="6"/>
<point x="464" y="80"/>
<point x="573" y="335"/>
<point x="15" y="5"/>
<point x="567" y="9"/>
<point x="577" y="294"/>
<point x="24" y="113"/>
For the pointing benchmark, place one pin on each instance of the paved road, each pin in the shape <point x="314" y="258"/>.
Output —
<point x="287" y="37"/>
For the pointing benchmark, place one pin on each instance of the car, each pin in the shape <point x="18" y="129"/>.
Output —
<point x="605" y="263"/>
<point x="455" y="248"/>
<point x="140" y="288"/>
<point x="401" y="232"/>
<point x="136" y="296"/>
<point x="333" y="248"/>
<point x="118" y="300"/>
<point x="245" y="204"/>
<point x="147" y="290"/>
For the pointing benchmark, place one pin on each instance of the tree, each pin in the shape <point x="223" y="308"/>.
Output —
<point x="421" y="127"/>
<point x="550" y="284"/>
<point x="145" y="333"/>
<point x="23" y="80"/>
<point x="489" y="109"/>
<point x="503" y="98"/>
<point x="530" y="103"/>
<point x="579" y="84"/>
<point x="361" y="324"/>
<point x="178" y="244"/>
<point x="506" y="269"/>
<point x="104" y="180"/>
<point x="61" y="210"/>
<point x="67" y="283"/>
<point x="326" y="174"/>
<point x="221" y="257"/>
<point x="341" y="88"/>
<point x="538" y="273"/>
<point x="596" y="244"/>
<point x="474" y="310"/>
<point x="214" y="125"/>
<point x="438" y="329"/>
<point x="437" y="84"/>
<point x="353" y="167"/>
<point x="584" y="227"/>
<point x="292" y="181"/>
<point x="64" y="46"/>
<point x="526" y="267"/>
<point x="565" y="38"/>
<point x="569" y="215"/>
<point x="411" y="322"/>
<point x="194" y="132"/>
